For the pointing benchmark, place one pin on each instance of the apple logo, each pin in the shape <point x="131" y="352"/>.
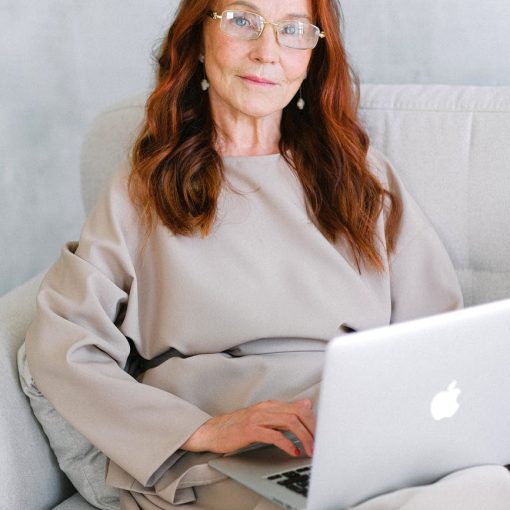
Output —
<point x="444" y="404"/>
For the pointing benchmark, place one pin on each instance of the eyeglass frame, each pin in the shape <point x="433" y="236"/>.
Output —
<point x="215" y="16"/>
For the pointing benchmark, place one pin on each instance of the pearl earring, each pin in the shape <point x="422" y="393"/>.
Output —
<point x="300" y="102"/>
<point x="204" y="83"/>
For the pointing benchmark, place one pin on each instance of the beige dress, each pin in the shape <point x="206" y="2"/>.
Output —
<point x="250" y="307"/>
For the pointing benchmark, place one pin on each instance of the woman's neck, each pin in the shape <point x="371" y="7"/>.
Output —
<point x="240" y="135"/>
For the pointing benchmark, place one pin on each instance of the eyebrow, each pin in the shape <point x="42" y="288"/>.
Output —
<point x="254" y="8"/>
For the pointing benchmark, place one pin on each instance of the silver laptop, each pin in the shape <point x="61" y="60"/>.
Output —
<point x="400" y="406"/>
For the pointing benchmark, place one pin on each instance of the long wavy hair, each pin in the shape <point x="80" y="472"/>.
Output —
<point x="177" y="172"/>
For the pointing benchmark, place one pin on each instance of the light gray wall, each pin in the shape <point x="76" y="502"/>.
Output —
<point x="457" y="42"/>
<point x="62" y="61"/>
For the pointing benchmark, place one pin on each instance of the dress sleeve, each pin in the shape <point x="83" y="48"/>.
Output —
<point x="77" y="352"/>
<point x="423" y="280"/>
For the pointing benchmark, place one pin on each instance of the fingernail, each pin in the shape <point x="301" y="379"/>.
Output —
<point x="297" y="453"/>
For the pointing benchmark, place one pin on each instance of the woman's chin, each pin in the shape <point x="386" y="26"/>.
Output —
<point x="260" y="110"/>
<point x="255" y="104"/>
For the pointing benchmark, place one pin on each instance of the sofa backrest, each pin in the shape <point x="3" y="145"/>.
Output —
<point x="450" y="145"/>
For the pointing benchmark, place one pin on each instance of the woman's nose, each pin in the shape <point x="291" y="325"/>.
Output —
<point x="266" y="48"/>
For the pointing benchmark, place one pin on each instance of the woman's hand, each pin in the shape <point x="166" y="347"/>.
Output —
<point x="260" y="423"/>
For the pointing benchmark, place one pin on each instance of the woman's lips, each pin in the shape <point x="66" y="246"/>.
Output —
<point x="257" y="81"/>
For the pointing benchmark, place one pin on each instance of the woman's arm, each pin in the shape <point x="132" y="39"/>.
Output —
<point x="423" y="280"/>
<point x="76" y="348"/>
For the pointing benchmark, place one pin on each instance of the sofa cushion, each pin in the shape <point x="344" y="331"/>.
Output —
<point x="75" y="502"/>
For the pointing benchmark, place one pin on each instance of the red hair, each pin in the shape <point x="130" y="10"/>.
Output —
<point x="177" y="173"/>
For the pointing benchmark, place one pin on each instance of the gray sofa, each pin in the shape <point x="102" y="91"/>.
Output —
<point x="451" y="146"/>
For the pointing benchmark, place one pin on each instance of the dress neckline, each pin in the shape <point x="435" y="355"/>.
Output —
<point x="252" y="158"/>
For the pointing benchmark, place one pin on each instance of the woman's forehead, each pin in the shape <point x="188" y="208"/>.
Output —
<point x="270" y="8"/>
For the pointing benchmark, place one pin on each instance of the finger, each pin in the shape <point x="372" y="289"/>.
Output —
<point x="295" y="426"/>
<point x="278" y="439"/>
<point x="289" y="422"/>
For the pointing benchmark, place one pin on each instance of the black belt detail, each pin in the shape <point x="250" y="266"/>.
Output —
<point x="136" y="365"/>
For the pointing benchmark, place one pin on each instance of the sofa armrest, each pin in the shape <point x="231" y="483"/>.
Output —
<point x="29" y="475"/>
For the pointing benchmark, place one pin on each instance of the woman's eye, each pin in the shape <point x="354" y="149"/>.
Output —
<point x="289" y="30"/>
<point x="241" y="22"/>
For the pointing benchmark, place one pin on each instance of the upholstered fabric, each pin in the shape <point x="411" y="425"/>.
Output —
<point x="29" y="475"/>
<point x="450" y="147"/>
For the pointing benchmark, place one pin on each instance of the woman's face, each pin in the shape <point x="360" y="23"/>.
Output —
<point x="257" y="77"/>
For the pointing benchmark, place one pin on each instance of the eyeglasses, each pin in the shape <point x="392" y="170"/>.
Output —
<point x="249" y="26"/>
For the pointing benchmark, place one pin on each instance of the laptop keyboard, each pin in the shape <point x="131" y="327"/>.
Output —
<point x="296" y="480"/>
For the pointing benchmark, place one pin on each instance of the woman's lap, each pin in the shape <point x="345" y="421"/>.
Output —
<point x="469" y="489"/>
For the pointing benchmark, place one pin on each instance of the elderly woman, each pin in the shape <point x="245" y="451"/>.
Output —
<point x="252" y="224"/>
